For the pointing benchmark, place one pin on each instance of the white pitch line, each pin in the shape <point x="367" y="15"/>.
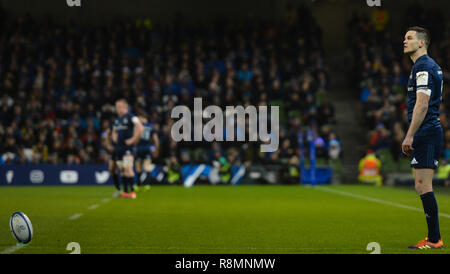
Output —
<point x="11" y="249"/>
<point x="92" y="207"/>
<point x="78" y="215"/>
<point x="75" y="216"/>
<point x="375" y="200"/>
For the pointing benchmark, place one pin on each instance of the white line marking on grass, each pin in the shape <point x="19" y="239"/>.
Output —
<point x="11" y="249"/>
<point x="92" y="207"/>
<point x="149" y="249"/>
<point x="375" y="200"/>
<point x="75" y="216"/>
<point x="106" y="200"/>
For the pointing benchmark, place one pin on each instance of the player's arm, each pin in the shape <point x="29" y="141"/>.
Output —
<point x="114" y="135"/>
<point x="138" y="129"/>
<point x="156" y="140"/>
<point x="108" y="140"/>
<point x="419" y="113"/>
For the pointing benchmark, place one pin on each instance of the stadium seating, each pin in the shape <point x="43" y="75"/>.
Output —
<point x="59" y="82"/>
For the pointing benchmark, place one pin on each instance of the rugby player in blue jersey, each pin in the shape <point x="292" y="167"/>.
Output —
<point x="127" y="130"/>
<point x="147" y="144"/>
<point x="424" y="138"/>
<point x="113" y="170"/>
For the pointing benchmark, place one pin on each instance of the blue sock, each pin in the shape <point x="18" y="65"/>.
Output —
<point x="116" y="181"/>
<point x="142" y="178"/>
<point x="431" y="213"/>
<point x="148" y="179"/>
<point x="131" y="183"/>
<point x="125" y="184"/>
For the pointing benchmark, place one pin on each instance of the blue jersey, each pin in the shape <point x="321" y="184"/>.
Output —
<point x="426" y="76"/>
<point x="146" y="136"/>
<point x="124" y="127"/>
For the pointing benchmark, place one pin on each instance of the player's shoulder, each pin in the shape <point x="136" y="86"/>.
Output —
<point x="130" y="115"/>
<point x="133" y="117"/>
<point x="426" y="63"/>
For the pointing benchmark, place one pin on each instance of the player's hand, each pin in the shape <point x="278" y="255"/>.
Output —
<point x="407" y="146"/>
<point x="129" y="142"/>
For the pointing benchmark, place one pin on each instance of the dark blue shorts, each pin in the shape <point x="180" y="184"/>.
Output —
<point x="144" y="152"/>
<point x="119" y="152"/>
<point x="427" y="150"/>
<point x="114" y="156"/>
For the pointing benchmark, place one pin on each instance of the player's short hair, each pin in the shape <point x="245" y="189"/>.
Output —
<point x="422" y="34"/>
<point x="122" y="100"/>
<point x="142" y="116"/>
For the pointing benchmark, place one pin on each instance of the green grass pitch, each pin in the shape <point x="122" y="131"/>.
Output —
<point x="221" y="219"/>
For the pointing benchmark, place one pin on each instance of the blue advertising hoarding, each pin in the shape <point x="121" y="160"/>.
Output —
<point x="47" y="174"/>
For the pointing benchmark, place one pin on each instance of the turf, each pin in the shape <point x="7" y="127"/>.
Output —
<point x="221" y="219"/>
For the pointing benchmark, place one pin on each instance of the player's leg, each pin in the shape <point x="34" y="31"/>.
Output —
<point x="113" y="170"/>
<point x="138" y="164"/>
<point x="120" y="166"/>
<point x="147" y="171"/>
<point x="423" y="178"/>
<point x="129" y="173"/>
<point x="424" y="160"/>
<point x="424" y="187"/>
<point x="120" y="163"/>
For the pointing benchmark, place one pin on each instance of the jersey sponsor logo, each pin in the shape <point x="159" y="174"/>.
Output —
<point x="422" y="78"/>
<point x="121" y="127"/>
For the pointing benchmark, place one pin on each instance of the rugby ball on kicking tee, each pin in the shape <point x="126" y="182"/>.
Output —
<point x="21" y="227"/>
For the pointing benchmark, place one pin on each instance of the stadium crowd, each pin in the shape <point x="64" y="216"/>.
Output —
<point x="59" y="83"/>
<point x="382" y="71"/>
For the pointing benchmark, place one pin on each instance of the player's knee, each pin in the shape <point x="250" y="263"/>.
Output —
<point x="129" y="172"/>
<point x="418" y="188"/>
<point x="422" y="188"/>
<point x="147" y="166"/>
